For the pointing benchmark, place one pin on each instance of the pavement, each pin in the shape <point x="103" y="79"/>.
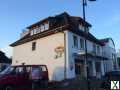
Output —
<point x="74" y="84"/>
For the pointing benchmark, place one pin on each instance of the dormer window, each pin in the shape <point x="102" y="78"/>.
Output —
<point x="38" y="30"/>
<point x="46" y="26"/>
<point x="81" y="27"/>
<point x="42" y="28"/>
<point x="35" y="31"/>
<point x="32" y="32"/>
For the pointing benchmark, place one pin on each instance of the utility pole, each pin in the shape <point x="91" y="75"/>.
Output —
<point x="84" y="4"/>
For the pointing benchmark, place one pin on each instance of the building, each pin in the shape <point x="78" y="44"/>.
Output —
<point x="118" y="58"/>
<point x="59" y="43"/>
<point x="4" y="61"/>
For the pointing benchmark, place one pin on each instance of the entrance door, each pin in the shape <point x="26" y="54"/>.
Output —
<point x="79" y="67"/>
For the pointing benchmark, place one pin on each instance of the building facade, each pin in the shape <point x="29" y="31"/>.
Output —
<point x="59" y="43"/>
<point x="118" y="58"/>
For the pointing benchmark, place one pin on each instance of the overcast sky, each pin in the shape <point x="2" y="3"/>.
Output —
<point x="15" y="15"/>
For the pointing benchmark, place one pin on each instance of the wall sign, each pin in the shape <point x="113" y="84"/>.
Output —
<point x="59" y="51"/>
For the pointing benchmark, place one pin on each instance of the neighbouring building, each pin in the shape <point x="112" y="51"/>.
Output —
<point x="59" y="43"/>
<point x="118" y="58"/>
<point x="4" y="61"/>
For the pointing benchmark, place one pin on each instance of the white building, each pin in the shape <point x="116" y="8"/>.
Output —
<point x="59" y="43"/>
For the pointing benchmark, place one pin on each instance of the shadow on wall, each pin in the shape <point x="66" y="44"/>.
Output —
<point x="58" y="74"/>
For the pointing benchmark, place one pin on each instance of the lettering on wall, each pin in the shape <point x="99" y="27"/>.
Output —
<point x="59" y="51"/>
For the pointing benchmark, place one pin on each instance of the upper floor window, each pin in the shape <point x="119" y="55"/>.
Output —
<point x="42" y="28"/>
<point x="38" y="30"/>
<point x="32" y="32"/>
<point x="35" y="31"/>
<point x="98" y="49"/>
<point x="81" y="43"/>
<point x="33" y="46"/>
<point x="94" y="48"/>
<point x="46" y="26"/>
<point x="75" y="41"/>
<point x="81" y="27"/>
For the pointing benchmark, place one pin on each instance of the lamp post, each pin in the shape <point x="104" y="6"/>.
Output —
<point x="84" y="4"/>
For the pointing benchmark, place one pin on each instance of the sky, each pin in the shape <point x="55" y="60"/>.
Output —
<point x="16" y="15"/>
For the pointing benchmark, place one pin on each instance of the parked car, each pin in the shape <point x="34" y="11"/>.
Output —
<point x="23" y="76"/>
<point x="108" y="77"/>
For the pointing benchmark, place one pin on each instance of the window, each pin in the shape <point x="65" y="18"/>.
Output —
<point x="46" y="26"/>
<point x="32" y="32"/>
<point x="33" y="46"/>
<point x="98" y="49"/>
<point x="35" y="31"/>
<point x="94" y="48"/>
<point x="75" y="40"/>
<point x="42" y="28"/>
<point x="81" y="44"/>
<point x="81" y="27"/>
<point x="43" y="68"/>
<point x="38" y="30"/>
<point x="35" y="74"/>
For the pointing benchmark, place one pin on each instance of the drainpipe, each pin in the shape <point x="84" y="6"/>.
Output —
<point x="65" y="66"/>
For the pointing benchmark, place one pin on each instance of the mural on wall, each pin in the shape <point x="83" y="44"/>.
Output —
<point x="59" y="50"/>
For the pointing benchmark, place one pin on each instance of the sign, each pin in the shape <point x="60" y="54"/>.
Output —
<point x="114" y="85"/>
<point x="59" y="51"/>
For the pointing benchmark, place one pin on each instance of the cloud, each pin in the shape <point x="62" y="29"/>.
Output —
<point x="7" y="50"/>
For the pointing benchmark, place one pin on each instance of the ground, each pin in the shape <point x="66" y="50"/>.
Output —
<point x="74" y="84"/>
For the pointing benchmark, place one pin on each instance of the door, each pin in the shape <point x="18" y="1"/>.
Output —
<point x="79" y="67"/>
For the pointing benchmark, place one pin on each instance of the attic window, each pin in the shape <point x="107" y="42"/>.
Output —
<point x="46" y="26"/>
<point x="81" y="27"/>
<point x="32" y="32"/>
<point x="42" y="28"/>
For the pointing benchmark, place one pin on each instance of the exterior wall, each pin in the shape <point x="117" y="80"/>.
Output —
<point x="69" y="57"/>
<point x="109" y="51"/>
<point x="62" y="67"/>
<point x="44" y="54"/>
<point x="71" y="50"/>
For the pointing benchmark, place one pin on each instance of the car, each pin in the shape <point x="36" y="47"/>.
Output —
<point x="23" y="76"/>
<point x="108" y="77"/>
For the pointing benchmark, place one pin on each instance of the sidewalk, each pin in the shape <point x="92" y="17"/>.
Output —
<point x="74" y="84"/>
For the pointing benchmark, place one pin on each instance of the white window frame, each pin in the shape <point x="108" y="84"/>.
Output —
<point x="42" y="27"/>
<point x="75" y="43"/>
<point x="46" y="26"/>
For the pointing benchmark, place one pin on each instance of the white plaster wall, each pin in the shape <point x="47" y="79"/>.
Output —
<point x="71" y="50"/>
<point x="44" y="54"/>
<point x="108" y="51"/>
<point x="69" y="57"/>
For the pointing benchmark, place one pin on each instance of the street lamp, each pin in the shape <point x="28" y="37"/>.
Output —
<point x="84" y="3"/>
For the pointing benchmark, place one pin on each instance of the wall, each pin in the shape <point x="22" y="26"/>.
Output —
<point x="44" y="54"/>
<point x="71" y="50"/>
<point x="109" y="51"/>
